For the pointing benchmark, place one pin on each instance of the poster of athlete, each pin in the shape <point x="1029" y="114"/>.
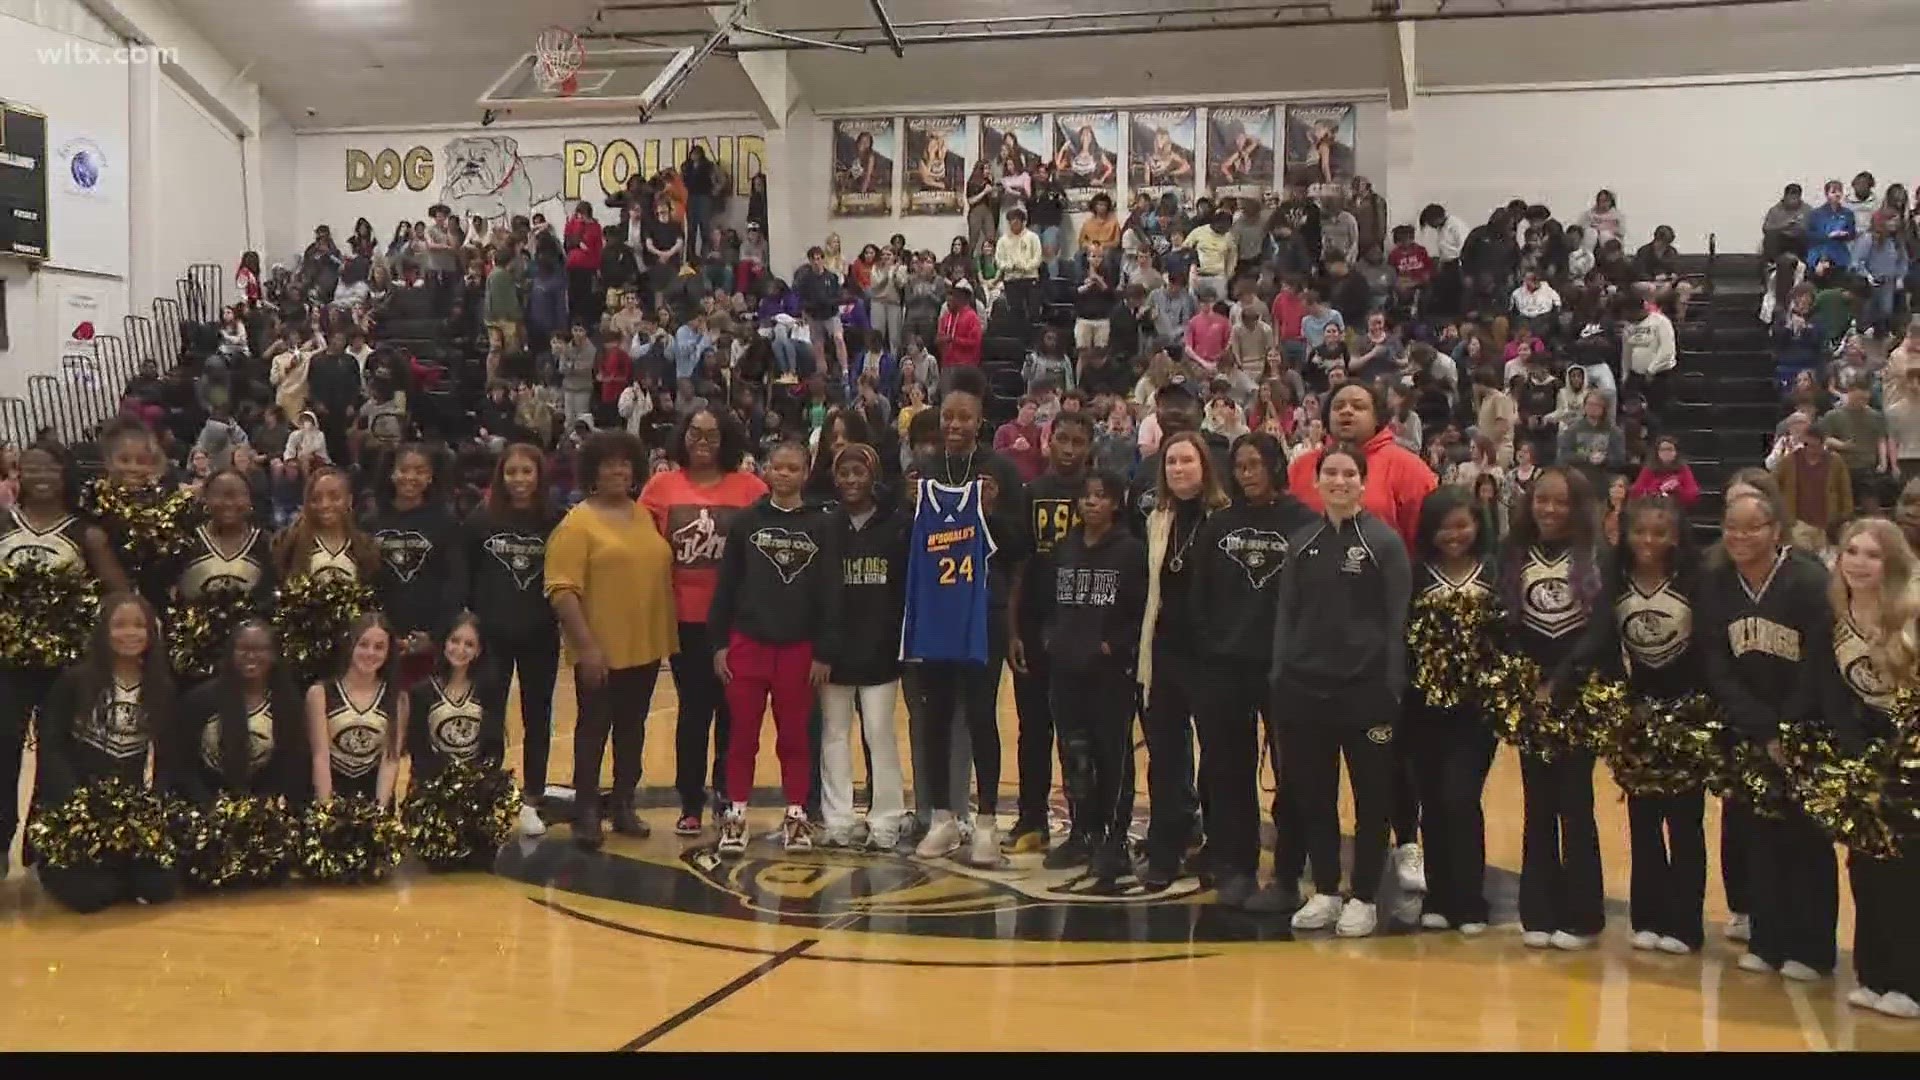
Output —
<point x="1160" y="153"/>
<point x="1088" y="161"/>
<point x="1320" y="146"/>
<point x="1240" y="155"/>
<point x="1005" y="140"/>
<point x="863" y="155"/>
<point x="936" y="170"/>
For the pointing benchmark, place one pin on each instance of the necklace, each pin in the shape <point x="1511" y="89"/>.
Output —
<point x="1179" y="560"/>
<point x="946" y="463"/>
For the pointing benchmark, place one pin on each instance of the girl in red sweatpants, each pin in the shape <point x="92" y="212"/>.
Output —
<point x="779" y="586"/>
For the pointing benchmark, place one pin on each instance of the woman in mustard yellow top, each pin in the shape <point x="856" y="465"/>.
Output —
<point x="608" y="581"/>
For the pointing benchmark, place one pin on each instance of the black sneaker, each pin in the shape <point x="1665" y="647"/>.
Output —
<point x="1076" y="851"/>
<point x="1025" y="839"/>
<point x="1157" y="878"/>
<point x="586" y="828"/>
<point x="1235" y="890"/>
<point x="628" y="823"/>
<point x="1273" y="900"/>
<point x="1110" y="863"/>
<point x="1199" y="862"/>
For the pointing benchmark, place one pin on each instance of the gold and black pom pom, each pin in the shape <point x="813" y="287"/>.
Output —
<point x="152" y="524"/>
<point x="458" y="819"/>
<point x="110" y="824"/>
<point x="1549" y="731"/>
<point x="1669" y="747"/>
<point x="311" y="613"/>
<point x="198" y="630"/>
<point x="1452" y="639"/>
<point x="349" y="841"/>
<point x="240" y="842"/>
<point x="46" y="615"/>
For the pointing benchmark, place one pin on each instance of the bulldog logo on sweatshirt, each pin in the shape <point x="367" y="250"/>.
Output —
<point x="790" y="552"/>
<point x="1259" y="552"/>
<point x="522" y="555"/>
<point x="404" y="551"/>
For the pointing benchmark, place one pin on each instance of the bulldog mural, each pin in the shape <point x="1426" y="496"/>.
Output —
<point x="487" y="176"/>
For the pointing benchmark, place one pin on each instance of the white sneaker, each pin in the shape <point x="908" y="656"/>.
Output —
<point x="882" y="837"/>
<point x="1566" y="942"/>
<point x="1645" y="940"/>
<point x="1357" y="919"/>
<point x="1739" y="928"/>
<point x="831" y="837"/>
<point x="966" y="828"/>
<point x="733" y="833"/>
<point x="1472" y="929"/>
<point x="1317" y="913"/>
<point x="530" y="823"/>
<point x="1862" y="998"/>
<point x="1799" y="972"/>
<point x="1896" y="1003"/>
<point x="1433" y="920"/>
<point x="942" y="839"/>
<point x="1406" y="909"/>
<point x="1673" y="945"/>
<point x="1752" y="962"/>
<point x="796" y="833"/>
<point x="1410" y="866"/>
<point x="1536" y="939"/>
<point x="984" y="852"/>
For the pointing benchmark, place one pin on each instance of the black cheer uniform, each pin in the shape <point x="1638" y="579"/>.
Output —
<point x="270" y="743"/>
<point x="443" y="729"/>
<point x="357" y="739"/>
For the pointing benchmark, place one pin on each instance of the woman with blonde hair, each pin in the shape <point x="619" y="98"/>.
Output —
<point x="1876" y="648"/>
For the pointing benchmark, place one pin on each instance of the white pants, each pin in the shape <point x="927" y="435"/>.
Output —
<point x="836" y="754"/>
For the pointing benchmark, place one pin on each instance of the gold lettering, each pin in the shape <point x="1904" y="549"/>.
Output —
<point x="359" y="170"/>
<point x="750" y="157"/>
<point x="417" y="168"/>
<point x="617" y="162"/>
<point x="386" y="169"/>
<point x="578" y="157"/>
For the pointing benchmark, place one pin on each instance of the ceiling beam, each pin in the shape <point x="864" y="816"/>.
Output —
<point x="886" y="27"/>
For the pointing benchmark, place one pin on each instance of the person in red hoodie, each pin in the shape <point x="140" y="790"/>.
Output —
<point x="959" y="332"/>
<point x="1289" y="310"/>
<point x="584" y="241"/>
<point x="1666" y="473"/>
<point x="612" y="375"/>
<point x="1018" y="440"/>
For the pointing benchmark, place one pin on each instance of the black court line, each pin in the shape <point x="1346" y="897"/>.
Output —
<point x="759" y="971"/>
<point x="721" y="946"/>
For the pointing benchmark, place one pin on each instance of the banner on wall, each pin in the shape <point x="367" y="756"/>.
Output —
<point x="1240" y="151"/>
<point x="1088" y="161"/>
<point x="1160" y="153"/>
<point x="82" y="311"/>
<point x="935" y="179"/>
<point x="1010" y="137"/>
<point x="85" y="170"/>
<point x="1320" y="146"/>
<point x="863" y="155"/>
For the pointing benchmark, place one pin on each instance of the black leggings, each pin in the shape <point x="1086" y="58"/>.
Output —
<point x="1796" y="892"/>
<point x="1450" y="751"/>
<point x="22" y="691"/>
<point x="1886" y="952"/>
<point x="1095" y="708"/>
<point x="1033" y="701"/>
<point x="1560" y="883"/>
<point x="1171" y="798"/>
<point x="1228" y="695"/>
<point x="617" y="707"/>
<point x="1322" y="729"/>
<point x="538" y="663"/>
<point x="703" y="708"/>
<point x="1669" y="852"/>
<point x="86" y="891"/>
<point x="950" y="689"/>
<point x="1736" y="861"/>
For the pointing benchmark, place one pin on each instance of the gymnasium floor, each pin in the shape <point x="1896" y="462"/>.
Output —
<point x="656" y="945"/>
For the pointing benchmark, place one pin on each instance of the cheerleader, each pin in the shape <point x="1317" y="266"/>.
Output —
<point x="506" y="556"/>
<point x="1451" y="749"/>
<point x="453" y="715"/>
<point x="1651" y="585"/>
<point x="1340" y="659"/>
<point x="1735" y="819"/>
<point x="243" y="732"/>
<point x="105" y="715"/>
<point x="1186" y="492"/>
<point x="1089" y="634"/>
<point x="1549" y="584"/>
<point x="356" y="721"/>
<point x="228" y="552"/>
<point x="1239" y="554"/>
<point x="133" y="462"/>
<point x="423" y="565"/>
<point x="1876" y="650"/>
<point x="324" y="541"/>
<point x="1766" y="628"/>
<point x="41" y="528"/>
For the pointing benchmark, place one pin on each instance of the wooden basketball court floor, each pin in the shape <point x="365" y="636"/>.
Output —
<point x="654" y="944"/>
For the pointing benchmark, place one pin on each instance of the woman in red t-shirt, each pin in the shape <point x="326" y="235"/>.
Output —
<point x="693" y="504"/>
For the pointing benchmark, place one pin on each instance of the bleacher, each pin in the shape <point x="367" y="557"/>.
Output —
<point x="1725" y="403"/>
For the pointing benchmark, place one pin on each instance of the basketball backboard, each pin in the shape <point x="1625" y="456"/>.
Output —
<point x="609" y="80"/>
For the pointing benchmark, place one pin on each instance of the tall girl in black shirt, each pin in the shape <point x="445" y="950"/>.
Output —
<point x="1550" y="584"/>
<point x="103" y="718"/>
<point x="1765" y="627"/>
<point x="1648" y="629"/>
<point x="41" y="527"/>
<point x="453" y="715"/>
<point x="507" y="558"/>
<point x="243" y="731"/>
<point x="423" y="564"/>
<point x="1238" y="558"/>
<point x="1875" y="645"/>
<point x="1451" y="749"/>
<point x="356" y="721"/>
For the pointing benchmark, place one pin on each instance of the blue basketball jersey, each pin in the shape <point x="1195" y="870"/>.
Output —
<point x="947" y="576"/>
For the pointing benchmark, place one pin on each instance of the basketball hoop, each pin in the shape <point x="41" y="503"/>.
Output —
<point x="558" y="54"/>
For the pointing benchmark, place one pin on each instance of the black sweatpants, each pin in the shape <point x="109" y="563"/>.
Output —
<point x="703" y="708"/>
<point x="1796" y="892"/>
<point x="948" y="690"/>
<point x="616" y="708"/>
<point x="1886" y="952"/>
<point x="86" y="891"/>
<point x="538" y="663"/>
<point x="1095" y="708"/>
<point x="1669" y="852"/>
<point x="1033" y="702"/>
<point x="22" y="692"/>
<point x="1319" y="732"/>
<point x="1406" y="797"/>
<point x="1736" y="861"/>
<point x="1450" y="751"/>
<point x="1228" y="695"/>
<point x="1168" y="719"/>
<point x="1560" y="883"/>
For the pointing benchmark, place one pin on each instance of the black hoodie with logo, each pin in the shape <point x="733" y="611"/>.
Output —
<point x="873" y="596"/>
<point x="422" y="581"/>
<point x="506" y="560"/>
<point x="1240" y="551"/>
<point x="780" y="579"/>
<point x="1099" y="598"/>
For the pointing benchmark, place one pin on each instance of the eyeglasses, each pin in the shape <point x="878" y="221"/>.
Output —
<point x="702" y="435"/>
